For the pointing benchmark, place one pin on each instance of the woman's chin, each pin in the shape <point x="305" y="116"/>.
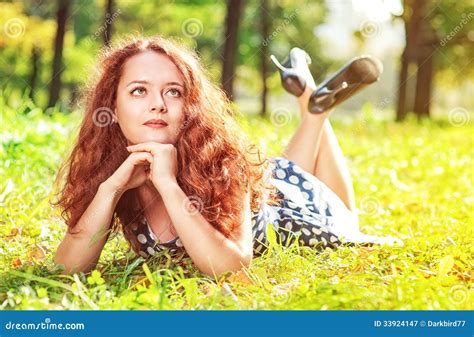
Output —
<point x="162" y="139"/>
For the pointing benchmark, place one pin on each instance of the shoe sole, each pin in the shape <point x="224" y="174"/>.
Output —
<point x="357" y="73"/>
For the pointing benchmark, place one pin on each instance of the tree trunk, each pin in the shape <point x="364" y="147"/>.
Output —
<point x="402" y="88"/>
<point x="423" y="87"/>
<point x="35" y="57"/>
<point x="265" y="30"/>
<point x="61" y="19"/>
<point x="234" y="9"/>
<point x="109" y="8"/>
<point x="424" y="82"/>
<point x="412" y="19"/>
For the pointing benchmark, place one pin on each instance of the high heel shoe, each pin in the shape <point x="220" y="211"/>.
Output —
<point x="294" y="71"/>
<point x="347" y="81"/>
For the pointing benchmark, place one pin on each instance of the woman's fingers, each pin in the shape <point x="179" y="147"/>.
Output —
<point x="141" y="158"/>
<point x="151" y="147"/>
<point x="148" y="147"/>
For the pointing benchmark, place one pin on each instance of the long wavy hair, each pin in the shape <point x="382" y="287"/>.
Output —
<point x="217" y="164"/>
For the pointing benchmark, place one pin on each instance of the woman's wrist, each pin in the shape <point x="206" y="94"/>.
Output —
<point x="109" y="189"/>
<point x="165" y="184"/>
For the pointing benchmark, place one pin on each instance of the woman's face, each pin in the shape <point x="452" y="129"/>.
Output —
<point x="150" y="89"/>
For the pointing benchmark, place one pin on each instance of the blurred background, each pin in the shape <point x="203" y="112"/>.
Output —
<point x="47" y="48"/>
<point x="408" y="141"/>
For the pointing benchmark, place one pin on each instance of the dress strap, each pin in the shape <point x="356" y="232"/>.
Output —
<point x="153" y="236"/>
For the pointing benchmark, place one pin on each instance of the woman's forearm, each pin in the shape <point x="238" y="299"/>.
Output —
<point x="209" y="249"/>
<point x="79" y="251"/>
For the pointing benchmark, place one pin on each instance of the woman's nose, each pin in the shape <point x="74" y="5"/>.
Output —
<point x="158" y="104"/>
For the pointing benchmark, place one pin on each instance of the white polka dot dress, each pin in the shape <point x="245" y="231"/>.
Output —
<point x="149" y="244"/>
<point x="308" y="211"/>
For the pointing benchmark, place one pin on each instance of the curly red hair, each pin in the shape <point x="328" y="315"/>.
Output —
<point x="217" y="164"/>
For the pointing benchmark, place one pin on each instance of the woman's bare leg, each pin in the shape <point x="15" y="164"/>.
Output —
<point x="331" y="167"/>
<point x="304" y="144"/>
<point x="314" y="147"/>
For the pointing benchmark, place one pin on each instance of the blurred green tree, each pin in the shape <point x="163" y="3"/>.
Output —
<point x="62" y="16"/>
<point x="438" y="35"/>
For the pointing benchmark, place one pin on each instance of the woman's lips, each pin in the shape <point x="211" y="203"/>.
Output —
<point x="155" y="125"/>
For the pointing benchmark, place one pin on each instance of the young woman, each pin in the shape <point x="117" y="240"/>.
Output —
<point x="160" y="157"/>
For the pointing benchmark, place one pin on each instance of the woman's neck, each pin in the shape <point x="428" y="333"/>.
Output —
<point x="148" y="194"/>
<point x="155" y="212"/>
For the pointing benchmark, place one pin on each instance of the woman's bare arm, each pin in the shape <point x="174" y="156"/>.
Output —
<point x="79" y="251"/>
<point x="209" y="249"/>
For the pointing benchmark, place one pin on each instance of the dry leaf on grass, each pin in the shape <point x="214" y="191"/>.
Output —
<point x="13" y="233"/>
<point x="36" y="253"/>
<point x="240" y="277"/>
<point x="16" y="263"/>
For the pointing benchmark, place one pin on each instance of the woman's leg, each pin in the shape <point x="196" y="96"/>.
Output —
<point x="331" y="167"/>
<point x="314" y="147"/>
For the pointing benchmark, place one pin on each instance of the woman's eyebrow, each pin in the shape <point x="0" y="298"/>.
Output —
<point x="146" y="82"/>
<point x="175" y="83"/>
<point x="137" y="82"/>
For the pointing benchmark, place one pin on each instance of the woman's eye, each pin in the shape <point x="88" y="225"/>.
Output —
<point x="174" y="92"/>
<point x="138" y="91"/>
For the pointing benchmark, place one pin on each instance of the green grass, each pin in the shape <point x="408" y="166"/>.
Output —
<point x="412" y="180"/>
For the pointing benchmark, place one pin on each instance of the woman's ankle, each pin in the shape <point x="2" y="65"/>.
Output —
<point x="304" y="112"/>
<point x="310" y="118"/>
<point x="303" y="100"/>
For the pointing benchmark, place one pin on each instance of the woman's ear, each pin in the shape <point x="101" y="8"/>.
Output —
<point x="114" y="116"/>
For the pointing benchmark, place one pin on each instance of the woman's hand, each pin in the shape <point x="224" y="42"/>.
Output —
<point x="164" y="167"/>
<point x="133" y="172"/>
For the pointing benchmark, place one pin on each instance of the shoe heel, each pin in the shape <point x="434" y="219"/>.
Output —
<point x="290" y="79"/>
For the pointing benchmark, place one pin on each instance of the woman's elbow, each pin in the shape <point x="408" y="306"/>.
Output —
<point x="233" y="265"/>
<point x="69" y="267"/>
